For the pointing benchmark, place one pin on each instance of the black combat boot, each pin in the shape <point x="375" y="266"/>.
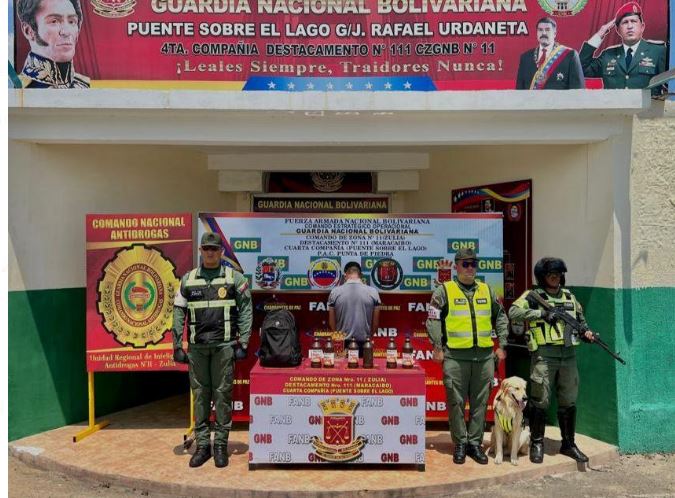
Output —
<point x="537" y="428"/>
<point x="567" y="418"/>
<point x="202" y="454"/>
<point x="220" y="455"/>
<point x="477" y="453"/>
<point x="459" y="456"/>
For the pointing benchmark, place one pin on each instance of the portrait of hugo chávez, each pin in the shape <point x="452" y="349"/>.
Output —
<point x="632" y="63"/>
<point x="52" y="28"/>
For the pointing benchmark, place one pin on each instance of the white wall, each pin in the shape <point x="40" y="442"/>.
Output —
<point x="572" y="198"/>
<point x="653" y="201"/>
<point x="52" y="187"/>
<point x="580" y="199"/>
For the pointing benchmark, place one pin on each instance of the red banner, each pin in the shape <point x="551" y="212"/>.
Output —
<point x="298" y="45"/>
<point x="134" y="265"/>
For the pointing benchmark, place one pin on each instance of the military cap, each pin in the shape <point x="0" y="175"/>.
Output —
<point x="466" y="253"/>
<point x="627" y="9"/>
<point x="211" y="239"/>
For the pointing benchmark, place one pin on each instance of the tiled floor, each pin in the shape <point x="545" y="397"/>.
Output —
<point x="143" y="448"/>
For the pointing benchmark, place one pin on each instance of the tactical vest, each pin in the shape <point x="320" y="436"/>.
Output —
<point x="541" y="332"/>
<point x="212" y="309"/>
<point x="459" y="327"/>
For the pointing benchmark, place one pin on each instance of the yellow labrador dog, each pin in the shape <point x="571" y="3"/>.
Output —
<point x="508" y="430"/>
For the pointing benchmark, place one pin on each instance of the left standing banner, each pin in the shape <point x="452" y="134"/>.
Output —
<point x="134" y="265"/>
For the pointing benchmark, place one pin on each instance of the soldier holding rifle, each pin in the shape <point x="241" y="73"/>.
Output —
<point x="552" y="342"/>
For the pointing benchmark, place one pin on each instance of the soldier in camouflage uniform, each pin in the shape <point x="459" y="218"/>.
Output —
<point x="553" y="361"/>
<point x="217" y="301"/>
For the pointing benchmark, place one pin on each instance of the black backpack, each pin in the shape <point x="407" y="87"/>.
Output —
<point x="279" y="342"/>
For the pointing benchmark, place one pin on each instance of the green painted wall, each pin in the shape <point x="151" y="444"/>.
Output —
<point x="632" y="406"/>
<point x="47" y="372"/>
<point x="596" y="406"/>
<point x="646" y="395"/>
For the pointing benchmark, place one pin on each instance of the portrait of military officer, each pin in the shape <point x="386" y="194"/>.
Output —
<point x="550" y="65"/>
<point x="51" y="28"/>
<point x="630" y="64"/>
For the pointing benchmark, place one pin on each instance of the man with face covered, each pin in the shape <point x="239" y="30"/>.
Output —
<point x="51" y="28"/>
<point x="632" y="63"/>
<point x="549" y="66"/>
<point x="553" y="363"/>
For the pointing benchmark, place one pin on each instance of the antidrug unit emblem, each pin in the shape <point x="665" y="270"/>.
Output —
<point x="136" y="296"/>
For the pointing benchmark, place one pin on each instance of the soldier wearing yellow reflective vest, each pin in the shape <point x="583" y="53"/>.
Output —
<point x="463" y="314"/>
<point x="217" y="301"/>
<point x="553" y="356"/>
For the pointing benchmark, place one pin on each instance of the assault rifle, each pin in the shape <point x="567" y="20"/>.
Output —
<point x="572" y="323"/>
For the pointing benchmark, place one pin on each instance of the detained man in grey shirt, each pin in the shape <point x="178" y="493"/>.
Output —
<point x="353" y="307"/>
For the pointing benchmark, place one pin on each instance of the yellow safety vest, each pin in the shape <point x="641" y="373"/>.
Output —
<point x="542" y="332"/>
<point x="460" y="329"/>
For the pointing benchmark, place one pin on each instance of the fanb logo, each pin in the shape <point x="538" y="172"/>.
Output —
<point x="338" y="443"/>
<point x="563" y="8"/>
<point x="136" y="296"/>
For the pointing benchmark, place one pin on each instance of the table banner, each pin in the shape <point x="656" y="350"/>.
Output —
<point x="318" y="45"/>
<point x="340" y="415"/>
<point x="280" y="263"/>
<point x="134" y="263"/>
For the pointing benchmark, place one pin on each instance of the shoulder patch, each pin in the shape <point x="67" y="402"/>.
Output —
<point x="434" y="313"/>
<point x="656" y="42"/>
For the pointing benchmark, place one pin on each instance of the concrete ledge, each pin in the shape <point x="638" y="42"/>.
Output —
<point x="612" y="101"/>
<point x="142" y="448"/>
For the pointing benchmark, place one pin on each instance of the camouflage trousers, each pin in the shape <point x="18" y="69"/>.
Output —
<point x="554" y="366"/>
